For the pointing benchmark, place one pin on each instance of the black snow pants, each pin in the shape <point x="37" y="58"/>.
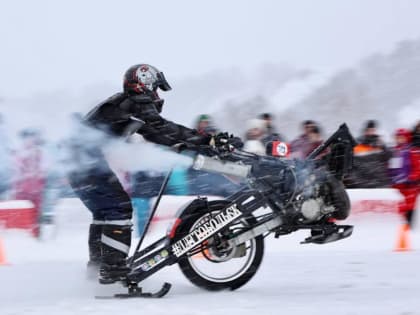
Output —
<point x="101" y="192"/>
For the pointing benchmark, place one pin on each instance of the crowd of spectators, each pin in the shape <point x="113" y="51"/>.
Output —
<point x="25" y="173"/>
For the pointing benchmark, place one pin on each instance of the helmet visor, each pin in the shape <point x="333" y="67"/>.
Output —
<point x="162" y="83"/>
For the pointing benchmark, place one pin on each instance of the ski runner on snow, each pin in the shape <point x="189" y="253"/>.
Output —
<point x="135" y="110"/>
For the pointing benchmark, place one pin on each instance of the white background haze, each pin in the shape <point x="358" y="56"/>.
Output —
<point x="63" y="56"/>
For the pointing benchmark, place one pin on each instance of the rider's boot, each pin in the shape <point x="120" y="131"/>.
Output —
<point x="95" y="256"/>
<point x="115" y="243"/>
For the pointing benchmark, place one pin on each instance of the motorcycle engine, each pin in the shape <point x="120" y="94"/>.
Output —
<point x="314" y="209"/>
<point x="314" y="206"/>
<point x="311" y="209"/>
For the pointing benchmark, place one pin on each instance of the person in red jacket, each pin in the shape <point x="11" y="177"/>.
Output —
<point x="30" y="174"/>
<point x="405" y="172"/>
<point x="415" y="153"/>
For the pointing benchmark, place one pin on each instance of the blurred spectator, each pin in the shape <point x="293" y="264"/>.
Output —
<point x="404" y="169"/>
<point x="399" y="164"/>
<point x="30" y="174"/>
<point x="301" y="145"/>
<point x="205" y="125"/>
<point x="270" y="133"/>
<point x="314" y="139"/>
<point x="414" y="177"/>
<point x="416" y="135"/>
<point x="254" y="134"/>
<point x="5" y="161"/>
<point x="267" y="118"/>
<point x="203" y="183"/>
<point x="370" y="140"/>
<point x="370" y="160"/>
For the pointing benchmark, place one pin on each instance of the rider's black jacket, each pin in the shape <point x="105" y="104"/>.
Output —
<point x="124" y="114"/>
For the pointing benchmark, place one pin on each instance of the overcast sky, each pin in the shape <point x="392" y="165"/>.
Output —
<point x="48" y="45"/>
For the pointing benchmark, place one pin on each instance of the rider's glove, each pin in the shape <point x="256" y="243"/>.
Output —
<point x="226" y="141"/>
<point x="179" y="147"/>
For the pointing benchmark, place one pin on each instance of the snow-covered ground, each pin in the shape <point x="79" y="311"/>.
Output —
<point x="359" y="275"/>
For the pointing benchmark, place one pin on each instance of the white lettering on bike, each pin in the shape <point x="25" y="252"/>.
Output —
<point x="205" y="230"/>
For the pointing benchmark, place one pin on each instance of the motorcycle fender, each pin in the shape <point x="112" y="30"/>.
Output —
<point x="190" y="207"/>
<point x="247" y="202"/>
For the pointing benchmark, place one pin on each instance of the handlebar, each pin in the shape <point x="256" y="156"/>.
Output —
<point x="236" y="162"/>
<point x="222" y="152"/>
<point x="221" y="159"/>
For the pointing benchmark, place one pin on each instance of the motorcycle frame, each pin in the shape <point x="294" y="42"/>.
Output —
<point x="146" y="262"/>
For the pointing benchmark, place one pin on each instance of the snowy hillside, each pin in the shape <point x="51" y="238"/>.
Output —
<point x="385" y="87"/>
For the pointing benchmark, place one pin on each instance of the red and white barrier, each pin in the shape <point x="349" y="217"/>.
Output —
<point x="375" y="200"/>
<point x="21" y="214"/>
<point x="18" y="214"/>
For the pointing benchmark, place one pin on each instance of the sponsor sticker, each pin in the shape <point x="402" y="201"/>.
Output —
<point x="280" y="149"/>
<point x="155" y="260"/>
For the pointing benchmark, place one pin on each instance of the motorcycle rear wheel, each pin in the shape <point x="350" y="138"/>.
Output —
<point x="192" y="265"/>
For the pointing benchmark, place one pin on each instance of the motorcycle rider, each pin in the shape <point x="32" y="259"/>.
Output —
<point x="135" y="110"/>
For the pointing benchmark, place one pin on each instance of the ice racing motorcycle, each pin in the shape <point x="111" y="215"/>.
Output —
<point x="219" y="244"/>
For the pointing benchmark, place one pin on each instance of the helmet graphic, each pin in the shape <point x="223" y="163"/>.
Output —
<point x="143" y="78"/>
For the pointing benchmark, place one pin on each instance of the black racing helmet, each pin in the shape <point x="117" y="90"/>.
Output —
<point x="142" y="78"/>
